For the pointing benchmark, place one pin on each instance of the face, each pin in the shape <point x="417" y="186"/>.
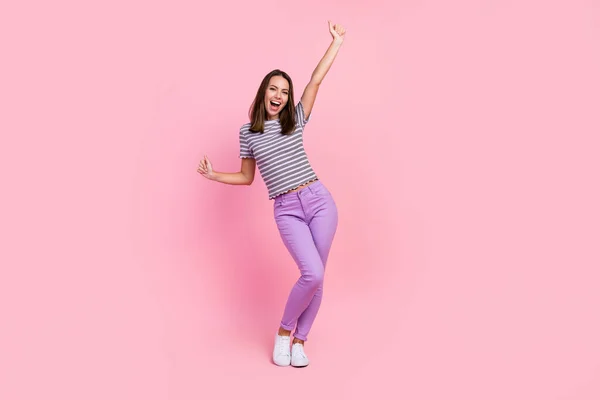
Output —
<point x="276" y="96"/>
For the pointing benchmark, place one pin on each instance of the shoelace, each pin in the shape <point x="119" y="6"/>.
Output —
<point x="284" y="346"/>
<point x="300" y="351"/>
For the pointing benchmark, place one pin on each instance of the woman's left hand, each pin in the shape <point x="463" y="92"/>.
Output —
<point x="337" y="31"/>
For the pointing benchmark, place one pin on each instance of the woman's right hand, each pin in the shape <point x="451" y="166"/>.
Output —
<point x="205" y="169"/>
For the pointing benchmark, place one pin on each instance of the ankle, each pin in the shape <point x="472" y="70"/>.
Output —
<point x="283" y="332"/>
<point x="296" y="340"/>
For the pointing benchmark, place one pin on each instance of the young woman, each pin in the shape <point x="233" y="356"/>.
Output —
<point x="304" y="210"/>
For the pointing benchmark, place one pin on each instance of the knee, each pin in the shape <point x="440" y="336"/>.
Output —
<point x="314" y="278"/>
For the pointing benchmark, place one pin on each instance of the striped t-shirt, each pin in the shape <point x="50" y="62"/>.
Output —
<point x="280" y="158"/>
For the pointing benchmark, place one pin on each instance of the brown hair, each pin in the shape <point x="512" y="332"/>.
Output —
<point x="257" y="113"/>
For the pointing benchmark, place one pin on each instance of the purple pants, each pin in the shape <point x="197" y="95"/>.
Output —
<point x="307" y="221"/>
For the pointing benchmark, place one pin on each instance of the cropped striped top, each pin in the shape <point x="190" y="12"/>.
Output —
<point x="281" y="159"/>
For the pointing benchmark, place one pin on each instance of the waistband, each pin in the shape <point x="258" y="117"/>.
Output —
<point x="310" y="188"/>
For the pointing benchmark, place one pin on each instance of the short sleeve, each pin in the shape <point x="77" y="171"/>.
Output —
<point x="300" y="116"/>
<point x="245" y="151"/>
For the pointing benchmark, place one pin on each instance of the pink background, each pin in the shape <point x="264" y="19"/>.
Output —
<point x="460" y="140"/>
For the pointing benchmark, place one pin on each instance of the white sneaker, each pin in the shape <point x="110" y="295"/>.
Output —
<point x="299" y="359"/>
<point x="281" y="352"/>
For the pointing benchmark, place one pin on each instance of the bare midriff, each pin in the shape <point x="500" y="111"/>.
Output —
<point x="302" y="186"/>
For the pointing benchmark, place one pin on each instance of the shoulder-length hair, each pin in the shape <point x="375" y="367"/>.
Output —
<point x="258" y="113"/>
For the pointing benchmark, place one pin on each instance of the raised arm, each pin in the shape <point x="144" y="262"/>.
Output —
<point x="244" y="177"/>
<point x="310" y="92"/>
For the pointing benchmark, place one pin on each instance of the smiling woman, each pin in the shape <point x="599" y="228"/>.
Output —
<point x="274" y="100"/>
<point x="304" y="210"/>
